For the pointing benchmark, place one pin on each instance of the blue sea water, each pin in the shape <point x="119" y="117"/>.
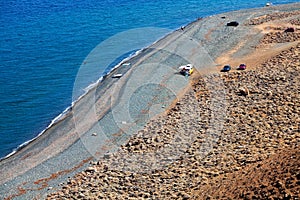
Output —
<point x="43" y="44"/>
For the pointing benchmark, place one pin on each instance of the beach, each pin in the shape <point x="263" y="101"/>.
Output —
<point x="156" y="134"/>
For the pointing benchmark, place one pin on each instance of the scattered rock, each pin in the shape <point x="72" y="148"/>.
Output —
<point x="244" y="91"/>
<point x="169" y="156"/>
<point x="91" y="169"/>
<point x="269" y="93"/>
<point x="273" y="16"/>
<point x="289" y="30"/>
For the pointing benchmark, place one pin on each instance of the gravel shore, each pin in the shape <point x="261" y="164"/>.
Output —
<point x="166" y="159"/>
<point x="160" y="135"/>
<point x="186" y="154"/>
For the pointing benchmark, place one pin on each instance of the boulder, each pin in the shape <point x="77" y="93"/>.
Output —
<point x="289" y="30"/>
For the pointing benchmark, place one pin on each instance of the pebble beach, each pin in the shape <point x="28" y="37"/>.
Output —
<point x="226" y="135"/>
<point x="260" y="126"/>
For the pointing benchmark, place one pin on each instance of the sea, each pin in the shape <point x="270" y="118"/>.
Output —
<point x="44" y="43"/>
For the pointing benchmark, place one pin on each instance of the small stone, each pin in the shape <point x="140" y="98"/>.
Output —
<point x="94" y="134"/>
<point x="244" y="91"/>
<point x="269" y="93"/>
<point x="91" y="169"/>
<point x="93" y="163"/>
<point x="81" y="195"/>
<point x="106" y="156"/>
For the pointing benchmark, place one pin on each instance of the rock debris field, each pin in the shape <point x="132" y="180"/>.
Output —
<point x="231" y="135"/>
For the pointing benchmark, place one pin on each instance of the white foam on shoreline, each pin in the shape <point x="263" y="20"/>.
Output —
<point x="86" y="90"/>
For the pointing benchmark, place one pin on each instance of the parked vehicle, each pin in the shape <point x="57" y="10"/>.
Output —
<point x="226" y="68"/>
<point x="233" y="23"/>
<point x="186" y="70"/>
<point x="268" y="4"/>
<point x="242" y="67"/>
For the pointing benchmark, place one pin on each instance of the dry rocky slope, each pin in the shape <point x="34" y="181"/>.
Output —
<point x="237" y="139"/>
<point x="263" y="124"/>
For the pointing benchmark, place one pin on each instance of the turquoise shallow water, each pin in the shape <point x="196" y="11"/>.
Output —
<point x="43" y="44"/>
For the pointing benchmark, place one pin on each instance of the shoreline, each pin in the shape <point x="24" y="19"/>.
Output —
<point x="107" y="86"/>
<point x="86" y="90"/>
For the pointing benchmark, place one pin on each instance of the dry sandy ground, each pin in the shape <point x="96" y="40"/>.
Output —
<point x="235" y="140"/>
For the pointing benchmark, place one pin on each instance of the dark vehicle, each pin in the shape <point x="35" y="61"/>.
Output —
<point x="242" y="67"/>
<point x="234" y="23"/>
<point x="226" y="68"/>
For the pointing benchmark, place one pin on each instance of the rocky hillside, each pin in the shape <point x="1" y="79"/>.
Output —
<point x="232" y="135"/>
